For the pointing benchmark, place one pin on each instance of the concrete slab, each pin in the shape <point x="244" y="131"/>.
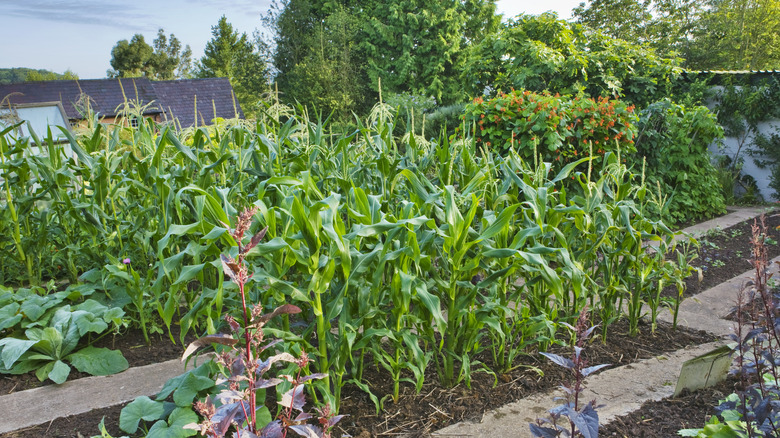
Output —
<point x="621" y="390"/>
<point x="738" y="215"/>
<point x="705" y="310"/>
<point x="41" y="405"/>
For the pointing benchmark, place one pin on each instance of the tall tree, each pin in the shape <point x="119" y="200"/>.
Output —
<point x="169" y="60"/>
<point x="166" y="60"/>
<point x="544" y="53"/>
<point x="131" y="59"/>
<point x="737" y="34"/>
<point x="415" y="46"/>
<point x="625" y="19"/>
<point x="238" y="58"/>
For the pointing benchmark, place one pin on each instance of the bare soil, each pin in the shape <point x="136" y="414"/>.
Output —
<point x="661" y="419"/>
<point x="417" y="415"/>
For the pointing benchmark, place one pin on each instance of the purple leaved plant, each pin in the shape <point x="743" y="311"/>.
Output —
<point x="583" y="418"/>
<point x="236" y="406"/>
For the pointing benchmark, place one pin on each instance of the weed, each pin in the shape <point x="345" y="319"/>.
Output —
<point x="583" y="420"/>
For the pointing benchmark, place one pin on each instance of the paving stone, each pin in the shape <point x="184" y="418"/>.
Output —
<point x="35" y="406"/>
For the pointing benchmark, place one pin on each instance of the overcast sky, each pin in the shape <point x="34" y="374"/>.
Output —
<point x="78" y="35"/>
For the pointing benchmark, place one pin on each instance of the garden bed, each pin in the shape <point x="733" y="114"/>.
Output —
<point x="132" y="345"/>
<point x="663" y="418"/>
<point x="436" y="407"/>
<point x="725" y="254"/>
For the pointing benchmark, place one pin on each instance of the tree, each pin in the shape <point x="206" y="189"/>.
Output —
<point x="130" y="59"/>
<point x="318" y="58"/>
<point x="43" y="75"/>
<point x="709" y="34"/>
<point x="541" y="53"/>
<point x="236" y="57"/>
<point x="625" y="19"/>
<point x="169" y="60"/>
<point x="737" y="35"/>
<point x="341" y="48"/>
<point x="165" y="61"/>
<point x="415" y="46"/>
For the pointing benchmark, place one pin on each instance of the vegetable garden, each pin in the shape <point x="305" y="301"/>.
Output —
<point x="402" y="253"/>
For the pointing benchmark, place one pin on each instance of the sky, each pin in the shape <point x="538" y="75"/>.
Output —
<point x="78" y="35"/>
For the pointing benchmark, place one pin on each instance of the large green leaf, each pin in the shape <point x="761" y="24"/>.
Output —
<point x="174" y="427"/>
<point x="12" y="349"/>
<point x="142" y="408"/>
<point x="59" y="372"/>
<point x="189" y="387"/>
<point x="98" y="361"/>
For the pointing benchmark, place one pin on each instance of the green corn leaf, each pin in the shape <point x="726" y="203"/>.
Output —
<point x="188" y="273"/>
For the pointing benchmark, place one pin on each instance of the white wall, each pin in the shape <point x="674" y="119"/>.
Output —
<point x="730" y="147"/>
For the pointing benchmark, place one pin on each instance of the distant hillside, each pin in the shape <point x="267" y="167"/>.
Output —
<point x="22" y="74"/>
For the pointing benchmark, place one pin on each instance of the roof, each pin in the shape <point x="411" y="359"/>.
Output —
<point x="168" y="99"/>
<point x="106" y="95"/>
<point x="213" y="97"/>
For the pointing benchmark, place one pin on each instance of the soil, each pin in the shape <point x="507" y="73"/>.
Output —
<point x="436" y="407"/>
<point x="723" y="255"/>
<point x="660" y="419"/>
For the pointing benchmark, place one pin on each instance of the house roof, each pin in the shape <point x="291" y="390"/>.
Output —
<point x="169" y="99"/>
<point x="106" y="95"/>
<point x="213" y="97"/>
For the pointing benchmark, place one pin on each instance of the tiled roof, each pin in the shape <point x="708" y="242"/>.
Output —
<point x="170" y="99"/>
<point x="213" y="96"/>
<point x="106" y="95"/>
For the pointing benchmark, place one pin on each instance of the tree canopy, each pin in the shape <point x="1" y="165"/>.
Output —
<point x="164" y="60"/>
<point x="544" y="53"/>
<point x="21" y="74"/>
<point x="238" y="58"/>
<point x="333" y="53"/>
<point x="708" y="34"/>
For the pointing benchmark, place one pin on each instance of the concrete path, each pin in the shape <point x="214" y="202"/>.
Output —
<point x="41" y="405"/>
<point x="622" y="389"/>
<point x="738" y="215"/>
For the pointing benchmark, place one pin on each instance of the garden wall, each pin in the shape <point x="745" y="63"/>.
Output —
<point x="730" y="147"/>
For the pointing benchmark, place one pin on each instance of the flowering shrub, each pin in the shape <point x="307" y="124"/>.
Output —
<point x="560" y="128"/>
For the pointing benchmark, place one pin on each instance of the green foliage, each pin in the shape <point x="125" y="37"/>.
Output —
<point x="736" y="35"/>
<point x="664" y="25"/>
<point x="14" y="75"/>
<point x="560" y="129"/>
<point x="335" y="53"/>
<point x="319" y="63"/>
<point x="165" y="60"/>
<point x="543" y="53"/>
<point x="236" y="57"/>
<point x="674" y="140"/>
<point x="45" y="349"/>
